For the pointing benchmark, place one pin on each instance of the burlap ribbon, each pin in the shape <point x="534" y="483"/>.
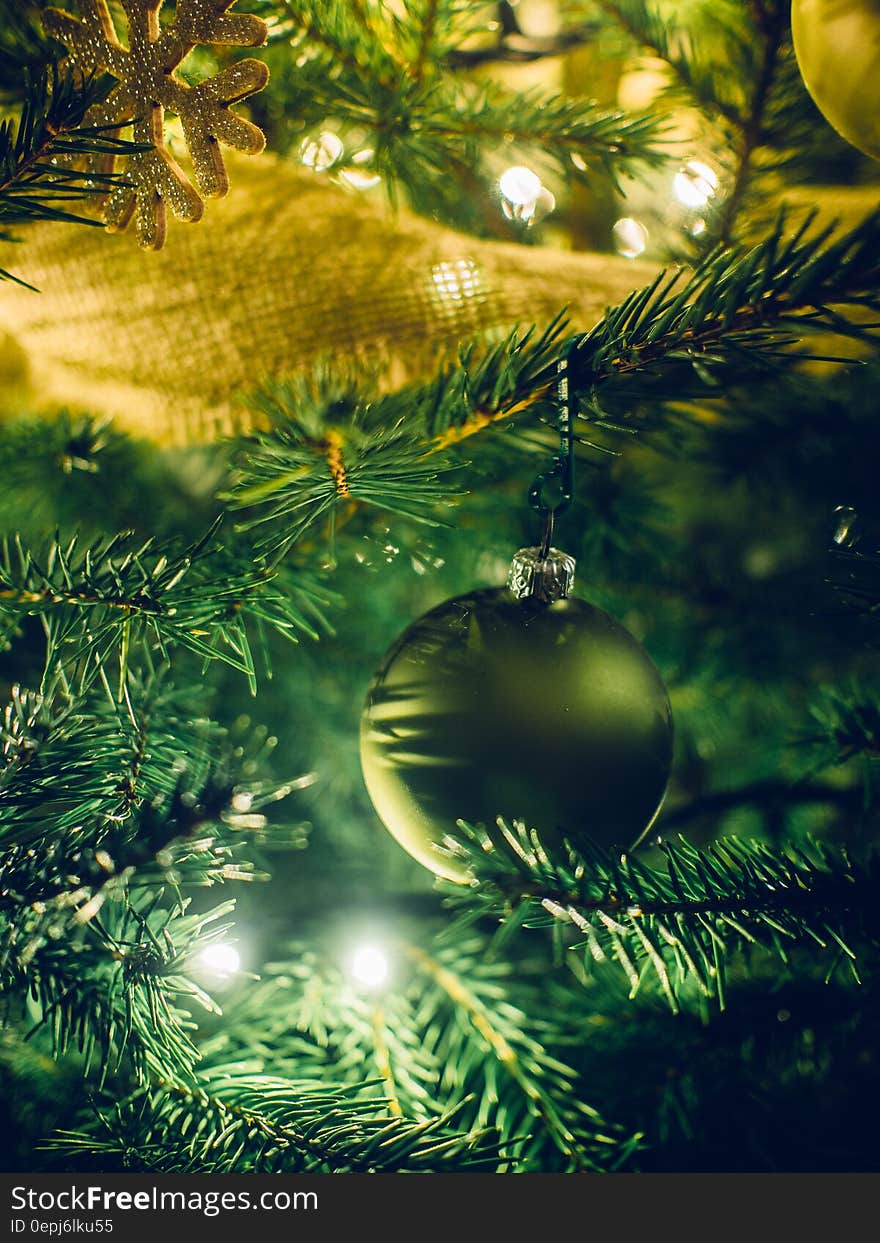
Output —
<point x="286" y="270"/>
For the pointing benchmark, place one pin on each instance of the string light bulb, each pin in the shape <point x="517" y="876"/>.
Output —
<point x="369" y="967"/>
<point x="219" y="960"/>
<point x="523" y="195"/>
<point x="322" y="152"/>
<point x="519" y="185"/>
<point x="630" y="237"/>
<point x="695" y="184"/>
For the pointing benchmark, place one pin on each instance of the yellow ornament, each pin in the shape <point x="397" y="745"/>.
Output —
<point x="148" y="86"/>
<point x="837" y="43"/>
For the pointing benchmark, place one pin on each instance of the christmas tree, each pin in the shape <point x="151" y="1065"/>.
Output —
<point x="599" y="281"/>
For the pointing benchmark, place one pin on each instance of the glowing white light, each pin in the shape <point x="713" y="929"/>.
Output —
<point x="520" y="190"/>
<point x="519" y="185"/>
<point x="369" y="966"/>
<point x="219" y="960"/>
<point x="322" y="151"/>
<point x="695" y="184"/>
<point x="630" y="237"/>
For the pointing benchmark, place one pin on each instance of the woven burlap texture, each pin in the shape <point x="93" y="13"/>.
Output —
<point x="287" y="270"/>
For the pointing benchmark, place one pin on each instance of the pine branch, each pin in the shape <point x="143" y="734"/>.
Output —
<point x="681" y="334"/>
<point x="232" y="1121"/>
<point x="740" y="308"/>
<point x="113" y="991"/>
<point x="678" y="924"/>
<point x="456" y="1027"/>
<point x="848" y="723"/>
<point x="94" y="805"/>
<point x="428" y="16"/>
<point x="369" y="71"/>
<point x="329" y="445"/>
<point x="100" y="602"/>
<point x="550" y="124"/>
<point x="739" y="315"/>
<point x="40" y="172"/>
<point x="489" y="1047"/>
<point x="705" y="84"/>
<point x="314" y="1024"/>
<point x="96" y="812"/>
<point x="65" y="765"/>
<point x="771" y="24"/>
<point x="326" y="447"/>
<point x="735" y="64"/>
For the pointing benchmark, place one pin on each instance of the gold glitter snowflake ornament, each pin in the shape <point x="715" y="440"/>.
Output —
<point x="148" y="85"/>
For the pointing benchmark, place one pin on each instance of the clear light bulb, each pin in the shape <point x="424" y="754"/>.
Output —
<point x="520" y="190"/>
<point x="322" y="151"/>
<point x="695" y="184"/>
<point x="519" y="185"/>
<point x="630" y="237"/>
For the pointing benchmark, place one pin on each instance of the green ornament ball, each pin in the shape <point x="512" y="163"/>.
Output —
<point x="490" y="706"/>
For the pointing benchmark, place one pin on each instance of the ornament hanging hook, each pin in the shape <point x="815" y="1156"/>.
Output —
<point x="548" y="534"/>
<point x="562" y="466"/>
<point x="543" y="573"/>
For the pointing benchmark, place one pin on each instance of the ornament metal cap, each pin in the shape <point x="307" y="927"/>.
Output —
<point x="545" y="574"/>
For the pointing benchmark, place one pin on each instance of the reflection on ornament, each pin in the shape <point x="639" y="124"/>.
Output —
<point x="359" y="179"/>
<point x="493" y="706"/>
<point x="695" y="184"/>
<point x="630" y="237"/>
<point x="837" y="43"/>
